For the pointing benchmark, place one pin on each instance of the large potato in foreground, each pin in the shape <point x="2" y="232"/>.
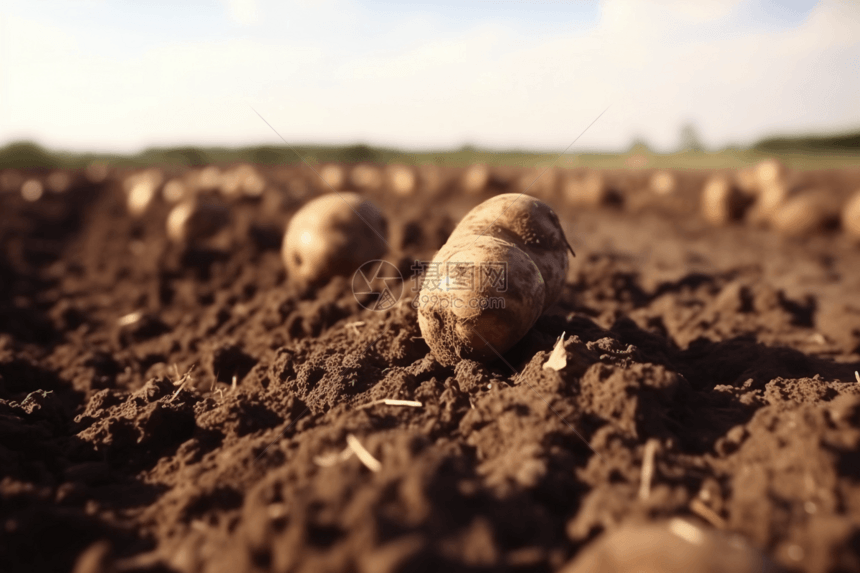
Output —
<point x="674" y="546"/>
<point x="333" y="235"/>
<point x="501" y="268"/>
<point x="531" y="225"/>
<point x="465" y="311"/>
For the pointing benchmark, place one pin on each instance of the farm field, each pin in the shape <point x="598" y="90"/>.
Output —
<point x="172" y="401"/>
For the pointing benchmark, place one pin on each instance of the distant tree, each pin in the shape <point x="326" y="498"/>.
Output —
<point x="690" y="138"/>
<point x="192" y="156"/>
<point x="639" y="145"/>
<point x="24" y="154"/>
<point x="268" y="154"/>
<point x="358" y="153"/>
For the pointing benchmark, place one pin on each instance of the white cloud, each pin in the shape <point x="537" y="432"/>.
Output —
<point x="243" y="12"/>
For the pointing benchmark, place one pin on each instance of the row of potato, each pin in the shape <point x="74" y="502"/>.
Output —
<point x="788" y="202"/>
<point x="767" y="194"/>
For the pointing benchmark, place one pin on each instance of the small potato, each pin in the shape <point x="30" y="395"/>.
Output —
<point x="662" y="183"/>
<point x="194" y="220"/>
<point x="32" y="190"/>
<point x="722" y="202"/>
<point x="805" y="213"/>
<point x="589" y="190"/>
<point x="673" y="546"/>
<point x="367" y="177"/>
<point x="333" y="176"/>
<point x="769" y="171"/>
<point x="141" y="189"/>
<point x="475" y="178"/>
<point x="174" y="191"/>
<point x="97" y="172"/>
<point x="208" y="178"/>
<point x="242" y="181"/>
<point x="770" y="198"/>
<point x="333" y="235"/>
<point x="401" y="179"/>
<point x="502" y="267"/>
<point x="851" y="216"/>
<point x="59" y="182"/>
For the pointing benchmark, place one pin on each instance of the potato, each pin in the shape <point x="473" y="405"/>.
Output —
<point x="769" y="171"/>
<point x="851" y="216"/>
<point x="141" y="189"/>
<point x="589" y="190"/>
<point x="59" y="182"/>
<point x="475" y="178"/>
<point x="771" y="196"/>
<point x="662" y="183"/>
<point x="401" y="179"/>
<point x="805" y="213"/>
<point x="32" y="190"/>
<point x="462" y="323"/>
<point x="673" y="546"/>
<point x="333" y="176"/>
<point x="722" y="202"/>
<point x="194" y="220"/>
<point x="528" y="223"/>
<point x="208" y="178"/>
<point x="242" y="181"/>
<point x="333" y="235"/>
<point x="367" y="177"/>
<point x="502" y="267"/>
<point x="174" y="191"/>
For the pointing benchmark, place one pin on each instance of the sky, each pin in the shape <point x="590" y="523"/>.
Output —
<point x="123" y="75"/>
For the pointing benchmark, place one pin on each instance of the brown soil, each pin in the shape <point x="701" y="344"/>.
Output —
<point x="126" y="445"/>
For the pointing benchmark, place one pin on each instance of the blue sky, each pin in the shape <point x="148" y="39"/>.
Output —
<point x="118" y="75"/>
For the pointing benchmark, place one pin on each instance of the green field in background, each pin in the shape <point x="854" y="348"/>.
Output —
<point x="799" y="153"/>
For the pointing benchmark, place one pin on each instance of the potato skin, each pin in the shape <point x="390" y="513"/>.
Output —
<point x="851" y="216"/>
<point x="673" y="546"/>
<point x="195" y="219"/>
<point x="333" y="235"/>
<point x="528" y="223"/>
<point x="451" y="318"/>
<point x="806" y="213"/>
<point x="515" y="230"/>
<point x="721" y="201"/>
